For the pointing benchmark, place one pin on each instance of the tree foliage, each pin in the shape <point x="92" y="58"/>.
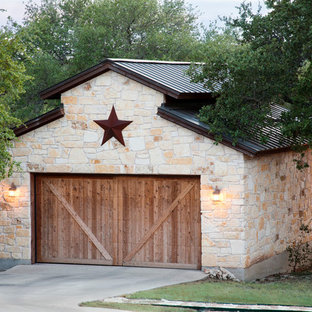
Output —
<point x="12" y="79"/>
<point x="65" y="37"/>
<point x="266" y="61"/>
<point x="136" y="29"/>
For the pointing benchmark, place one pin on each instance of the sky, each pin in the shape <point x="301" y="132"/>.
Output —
<point x="210" y="9"/>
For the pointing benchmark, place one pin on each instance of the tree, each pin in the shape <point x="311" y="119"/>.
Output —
<point x="136" y="29"/>
<point x="47" y="33"/>
<point x="12" y="79"/>
<point x="65" y="37"/>
<point x="269" y="61"/>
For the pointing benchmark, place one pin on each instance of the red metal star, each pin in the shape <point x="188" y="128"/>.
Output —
<point x="113" y="127"/>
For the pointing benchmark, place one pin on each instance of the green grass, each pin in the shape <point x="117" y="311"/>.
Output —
<point x="288" y="292"/>
<point x="132" y="307"/>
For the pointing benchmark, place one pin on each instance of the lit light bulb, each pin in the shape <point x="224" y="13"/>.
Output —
<point x="11" y="193"/>
<point x="216" y="195"/>
<point x="12" y="190"/>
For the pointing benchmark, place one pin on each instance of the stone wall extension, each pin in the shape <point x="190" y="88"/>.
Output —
<point x="278" y="201"/>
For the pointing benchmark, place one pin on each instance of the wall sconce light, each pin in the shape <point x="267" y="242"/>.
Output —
<point x="11" y="193"/>
<point x="12" y="190"/>
<point x="216" y="195"/>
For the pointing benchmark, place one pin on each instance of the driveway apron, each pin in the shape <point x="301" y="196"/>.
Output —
<point x="57" y="287"/>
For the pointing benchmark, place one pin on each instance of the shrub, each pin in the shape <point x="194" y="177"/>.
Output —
<point x="300" y="251"/>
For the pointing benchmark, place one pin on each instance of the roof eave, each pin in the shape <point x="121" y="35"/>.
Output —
<point x="273" y="151"/>
<point x="200" y="130"/>
<point x="40" y="121"/>
<point x="55" y="91"/>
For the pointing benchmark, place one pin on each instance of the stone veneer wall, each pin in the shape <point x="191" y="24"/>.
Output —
<point x="278" y="201"/>
<point x="264" y="199"/>
<point x="153" y="146"/>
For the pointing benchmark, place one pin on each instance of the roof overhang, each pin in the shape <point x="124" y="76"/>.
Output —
<point x="40" y="121"/>
<point x="55" y="91"/>
<point x="241" y="146"/>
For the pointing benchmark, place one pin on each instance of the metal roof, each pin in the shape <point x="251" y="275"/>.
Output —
<point x="253" y="146"/>
<point x="277" y="110"/>
<point x="170" y="78"/>
<point x="170" y="74"/>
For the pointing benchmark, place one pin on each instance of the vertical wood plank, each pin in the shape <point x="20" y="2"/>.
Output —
<point x="121" y="193"/>
<point x="116" y="203"/>
<point x="38" y="219"/>
<point x="119" y="211"/>
<point x="32" y="218"/>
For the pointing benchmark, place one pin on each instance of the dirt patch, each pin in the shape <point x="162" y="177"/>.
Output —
<point x="306" y="275"/>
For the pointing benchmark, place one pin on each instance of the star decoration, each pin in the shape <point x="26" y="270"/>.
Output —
<point x="113" y="127"/>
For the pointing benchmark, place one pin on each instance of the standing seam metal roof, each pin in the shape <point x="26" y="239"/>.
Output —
<point x="253" y="145"/>
<point x="163" y="76"/>
<point x="171" y="75"/>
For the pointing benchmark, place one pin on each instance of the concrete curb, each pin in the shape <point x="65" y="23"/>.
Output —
<point x="212" y="306"/>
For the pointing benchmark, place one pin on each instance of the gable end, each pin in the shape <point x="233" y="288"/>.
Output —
<point x="55" y="91"/>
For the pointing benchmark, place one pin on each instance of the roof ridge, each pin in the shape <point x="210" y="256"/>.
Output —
<point x="149" y="61"/>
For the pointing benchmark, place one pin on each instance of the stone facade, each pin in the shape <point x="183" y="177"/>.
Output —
<point x="247" y="226"/>
<point x="278" y="201"/>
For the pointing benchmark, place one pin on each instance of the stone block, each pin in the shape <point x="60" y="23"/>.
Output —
<point x="87" y="100"/>
<point x="18" y="144"/>
<point x="103" y="80"/>
<point x="74" y="109"/>
<point x="71" y="144"/>
<point x="77" y="156"/>
<point x="173" y="169"/>
<point x="22" y="233"/>
<point x="209" y="260"/>
<point x="35" y="158"/>
<point x="168" y="154"/>
<point x="156" y="156"/>
<point x="4" y="255"/>
<point x="111" y="93"/>
<point x="127" y="158"/>
<point x="136" y="144"/>
<point x="21" y="151"/>
<point x="52" y="152"/>
<point x="8" y="229"/>
<point x="64" y="131"/>
<point x="95" y="109"/>
<point x="238" y="247"/>
<point x="66" y="100"/>
<point x="156" y="131"/>
<point x="58" y="168"/>
<point x="230" y="261"/>
<point x="180" y="161"/>
<point x="15" y="249"/>
<point x="142" y="161"/>
<point x="23" y="241"/>
<point x="182" y="150"/>
<point x="90" y="136"/>
<point x="106" y="169"/>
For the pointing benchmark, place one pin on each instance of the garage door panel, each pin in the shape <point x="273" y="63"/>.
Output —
<point x="70" y="226"/>
<point x="120" y="220"/>
<point x="167" y="243"/>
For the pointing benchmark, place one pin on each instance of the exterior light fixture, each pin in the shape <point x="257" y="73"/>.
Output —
<point x="12" y="190"/>
<point x="216" y="195"/>
<point x="11" y="193"/>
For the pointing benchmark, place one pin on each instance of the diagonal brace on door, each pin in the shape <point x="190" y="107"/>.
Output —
<point x="79" y="221"/>
<point x="159" y="222"/>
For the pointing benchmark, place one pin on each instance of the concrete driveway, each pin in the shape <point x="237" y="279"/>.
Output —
<point x="57" y="287"/>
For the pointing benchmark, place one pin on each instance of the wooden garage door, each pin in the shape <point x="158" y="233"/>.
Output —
<point x="118" y="220"/>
